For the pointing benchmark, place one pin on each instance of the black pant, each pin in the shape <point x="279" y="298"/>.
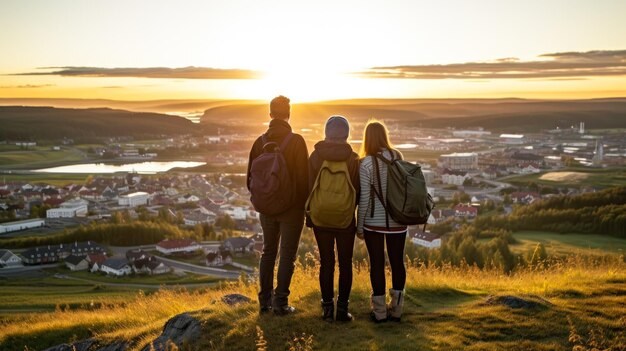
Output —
<point x="286" y="232"/>
<point x="375" y="243"/>
<point x="345" y="244"/>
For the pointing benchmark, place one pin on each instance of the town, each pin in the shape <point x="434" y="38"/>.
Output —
<point x="468" y="172"/>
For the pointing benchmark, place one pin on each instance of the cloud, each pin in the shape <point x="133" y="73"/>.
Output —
<point x="26" y="86"/>
<point x="146" y="72"/>
<point x="559" y="65"/>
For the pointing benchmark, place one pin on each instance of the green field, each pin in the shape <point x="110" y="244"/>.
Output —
<point x="38" y="158"/>
<point x="47" y="293"/>
<point x="57" y="179"/>
<point x="563" y="244"/>
<point x="167" y="279"/>
<point x="595" y="177"/>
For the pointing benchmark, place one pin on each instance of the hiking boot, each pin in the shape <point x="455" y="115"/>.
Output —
<point x="328" y="310"/>
<point x="342" y="312"/>
<point x="265" y="309"/>
<point x="379" y="308"/>
<point x="284" y="310"/>
<point x="396" y="305"/>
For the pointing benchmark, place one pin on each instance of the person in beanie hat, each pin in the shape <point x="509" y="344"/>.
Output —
<point x="335" y="149"/>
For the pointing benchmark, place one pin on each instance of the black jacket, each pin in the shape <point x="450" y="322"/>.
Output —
<point x="296" y="156"/>
<point x="327" y="151"/>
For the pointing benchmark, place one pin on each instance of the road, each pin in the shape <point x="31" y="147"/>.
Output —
<point x="183" y="266"/>
<point x="140" y="286"/>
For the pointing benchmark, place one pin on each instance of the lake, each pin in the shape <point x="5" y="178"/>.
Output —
<point x="149" y="167"/>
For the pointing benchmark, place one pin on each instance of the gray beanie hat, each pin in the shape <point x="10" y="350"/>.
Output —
<point x="337" y="129"/>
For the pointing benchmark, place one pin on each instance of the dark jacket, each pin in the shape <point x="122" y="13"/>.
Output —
<point x="327" y="151"/>
<point x="296" y="157"/>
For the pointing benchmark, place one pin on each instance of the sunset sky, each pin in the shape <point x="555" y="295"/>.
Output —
<point x="312" y="50"/>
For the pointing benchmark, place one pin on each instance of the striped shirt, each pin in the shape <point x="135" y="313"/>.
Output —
<point x="367" y="173"/>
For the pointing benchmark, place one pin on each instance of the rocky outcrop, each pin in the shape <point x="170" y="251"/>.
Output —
<point x="526" y="302"/>
<point x="83" y="345"/>
<point x="181" y="329"/>
<point x="235" y="299"/>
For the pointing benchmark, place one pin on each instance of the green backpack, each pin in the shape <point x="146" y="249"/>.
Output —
<point x="332" y="201"/>
<point x="408" y="201"/>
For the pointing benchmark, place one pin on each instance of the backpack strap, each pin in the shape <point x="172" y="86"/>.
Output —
<point x="285" y="142"/>
<point x="379" y="194"/>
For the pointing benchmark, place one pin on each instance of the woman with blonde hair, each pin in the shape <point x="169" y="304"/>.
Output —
<point x="376" y="227"/>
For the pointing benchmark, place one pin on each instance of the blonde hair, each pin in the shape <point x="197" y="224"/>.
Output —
<point x="375" y="138"/>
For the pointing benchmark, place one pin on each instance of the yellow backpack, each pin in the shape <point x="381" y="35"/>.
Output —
<point x="332" y="201"/>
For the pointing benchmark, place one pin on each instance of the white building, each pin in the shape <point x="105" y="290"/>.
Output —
<point x="116" y="266"/>
<point x="174" y="246"/>
<point x="134" y="199"/>
<point x="235" y="212"/>
<point x="21" y="225"/>
<point x="453" y="177"/>
<point x="461" y="161"/>
<point x="69" y="209"/>
<point x="9" y="259"/>
<point x="512" y="139"/>
<point x="425" y="239"/>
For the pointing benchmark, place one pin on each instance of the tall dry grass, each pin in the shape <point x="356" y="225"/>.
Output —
<point x="141" y="319"/>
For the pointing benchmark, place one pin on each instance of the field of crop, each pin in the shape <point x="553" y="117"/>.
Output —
<point x="56" y="179"/>
<point x="445" y="310"/>
<point x="563" y="244"/>
<point x="574" y="177"/>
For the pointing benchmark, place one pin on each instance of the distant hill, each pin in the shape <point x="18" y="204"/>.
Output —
<point x="20" y="122"/>
<point x="492" y="114"/>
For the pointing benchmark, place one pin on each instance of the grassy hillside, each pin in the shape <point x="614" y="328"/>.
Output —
<point x="445" y="310"/>
<point x="26" y="123"/>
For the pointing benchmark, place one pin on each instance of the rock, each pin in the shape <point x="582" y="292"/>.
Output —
<point x="235" y="299"/>
<point x="527" y="302"/>
<point x="180" y="329"/>
<point x="83" y="345"/>
<point x="88" y="345"/>
<point x="118" y="346"/>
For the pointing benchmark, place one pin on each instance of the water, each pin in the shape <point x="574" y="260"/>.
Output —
<point x="139" y="167"/>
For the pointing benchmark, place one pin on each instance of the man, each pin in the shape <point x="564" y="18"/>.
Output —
<point x="281" y="232"/>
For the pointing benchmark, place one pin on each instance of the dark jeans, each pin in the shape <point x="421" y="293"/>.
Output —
<point x="375" y="243"/>
<point x="285" y="232"/>
<point x="326" y="243"/>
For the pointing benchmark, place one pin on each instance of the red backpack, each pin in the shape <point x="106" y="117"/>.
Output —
<point x="271" y="189"/>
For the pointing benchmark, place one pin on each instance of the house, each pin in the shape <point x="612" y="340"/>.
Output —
<point x="441" y="215"/>
<point x="116" y="266"/>
<point x="238" y="245"/>
<point x="43" y="254"/>
<point x="188" y="198"/>
<point x="524" y="197"/>
<point x="195" y="217"/>
<point x="76" y="263"/>
<point x="172" y="246"/>
<point x="135" y="255"/>
<point x="218" y="259"/>
<point x="95" y="260"/>
<point x="461" y="210"/>
<point x="9" y="259"/>
<point x="529" y="168"/>
<point x="150" y="265"/>
<point x="21" y="225"/>
<point x="83" y="248"/>
<point x="258" y="242"/>
<point x="426" y="239"/>
<point x="449" y="176"/>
